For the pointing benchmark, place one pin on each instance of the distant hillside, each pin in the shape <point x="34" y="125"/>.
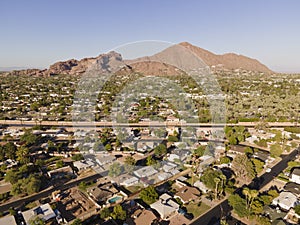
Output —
<point x="143" y="65"/>
<point x="228" y="60"/>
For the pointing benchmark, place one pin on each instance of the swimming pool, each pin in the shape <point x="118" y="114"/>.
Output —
<point x="115" y="199"/>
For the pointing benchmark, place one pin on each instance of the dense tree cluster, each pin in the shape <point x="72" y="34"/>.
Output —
<point x="250" y="204"/>
<point x="149" y="195"/>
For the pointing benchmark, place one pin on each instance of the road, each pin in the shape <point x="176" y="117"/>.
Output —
<point x="139" y="124"/>
<point x="222" y="209"/>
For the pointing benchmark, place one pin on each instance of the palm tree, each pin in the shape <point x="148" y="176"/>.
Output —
<point x="250" y="196"/>
<point x="217" y="181"/>
<point x="253" y="195"/>
<point x="223" y="179"/>
<point x="195" y="166"/>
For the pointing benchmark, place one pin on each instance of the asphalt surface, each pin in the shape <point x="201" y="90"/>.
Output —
<point x="139" y="124"/>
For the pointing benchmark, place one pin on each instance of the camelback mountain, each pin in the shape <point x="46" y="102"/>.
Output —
<point x="145" y="65"/>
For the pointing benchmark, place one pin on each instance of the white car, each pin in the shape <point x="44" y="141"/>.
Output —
<point x="268" y="170"/>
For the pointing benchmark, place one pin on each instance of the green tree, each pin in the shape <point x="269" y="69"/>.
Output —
<point x="10" y="150"/>
<point x="129" y="164"/>
<point x="258" y="165"/>
<point x="257" y="207"/>
<point x="160" y="150"/>
<point x="77" y="222"/>
<point x="150" y="161"/>
<point x="33" y="185"/>
<point x="199" y="151"/>
<point x="208" y="178"/>
<point x="77" y="157"/>
<point x="104" y="213"/>
<point x="250" y="196"/>
<point x="261" y="220"/>
<point x="239" y="205"/>
<point x="108" y="147"/>
<point x="149" y="195"/>
<point x="225" y="160"/>
<point x="115" y="169"/>
<point x="262" y="143"/>
<point x="12" y="176"/>
<point x="59" y="164"/>
<point x="29" y="138"/>
<point x="275" y="150"/>
<point x="243" y="168"/>
<point x="172" y="138"/>
<point x="23" y="155"/>
<point x="36" y="221"/>
<point x="297" y="210"/>
<point x="12" y="212"/>
<point x="34" y="106"/>
<point x="118" y="213"/>
<point x="249" y="151"/>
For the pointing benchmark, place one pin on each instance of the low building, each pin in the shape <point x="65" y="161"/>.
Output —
<point x="293" y="188"/>
<point x="104" y="159"/>
<point x="8" y="220"/>
<point x="168" y="167"/>
<point x="83" y="164"/>
<point x="201" y="186"/>
<point x="295" y="176"/>
<point x="130" y="181"/>
<point x="145" y="146"/>
<point x="145" y="171"/>
<point x="163" y="176"/>
<point x="102" y="193"/>
<point x="165" y="206"/>
<point x="285" y="200"/>
<point x="45" y="212"/>
<point x="144" y="217"/>
<point x="60" y="173"/>
<point x="292" y="217"/>
<point x="187" y="194"/>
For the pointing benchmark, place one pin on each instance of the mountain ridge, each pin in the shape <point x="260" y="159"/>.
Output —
<point x="229" y="61"/>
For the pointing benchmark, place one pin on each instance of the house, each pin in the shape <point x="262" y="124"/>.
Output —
<point x="173" y="157"/>
<point x="143" y="217"/>
<point x="104" y="159"/>
<point x="83" y="164"/>
<point x="163" y="176"/>
<point x="293" y="188"/>
<point x="45" y="212"/>
<point x="144" y="146"/>
<point x="102" y="193"/>
<point x="9" y="163"/>
<point x="165" y="206"/>
<point x="145" y="171"/>
<point x="130" y="181"/>
<point x="187" y="194"/>
<point x="60" y="172"/>
<point x="273" y="213"/>
<point x="292" y="217"/>
<point x="168" y="167"/>
<point x="286" y="200"/>
<point x="201" y="186"/>
<point x="8" y="220"/>
<point x="295" y="176"/>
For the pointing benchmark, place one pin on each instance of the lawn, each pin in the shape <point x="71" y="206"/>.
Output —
<point x="197" y="210"/>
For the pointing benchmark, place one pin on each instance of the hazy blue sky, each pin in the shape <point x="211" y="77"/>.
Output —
<point x="37" y="33"/>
